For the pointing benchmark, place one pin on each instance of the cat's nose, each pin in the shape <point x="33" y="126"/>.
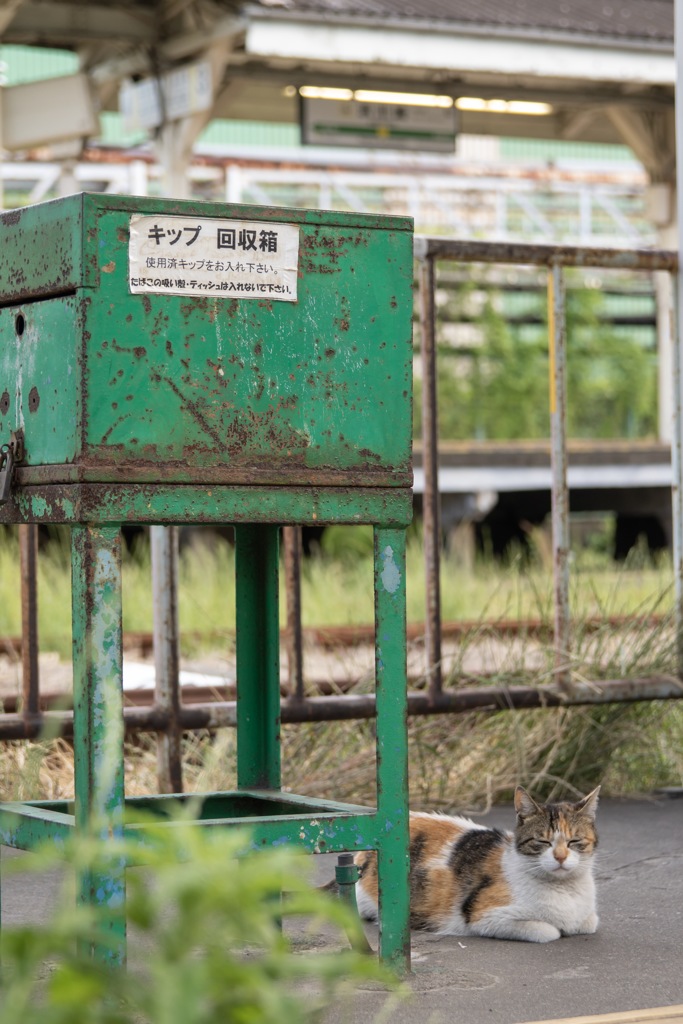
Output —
<point x="560" y="853"/>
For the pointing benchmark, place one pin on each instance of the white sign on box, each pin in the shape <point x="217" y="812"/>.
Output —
<point x="230" y="259"/>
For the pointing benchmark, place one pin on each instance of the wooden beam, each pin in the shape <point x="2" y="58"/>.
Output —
<point x="67" y="24"/>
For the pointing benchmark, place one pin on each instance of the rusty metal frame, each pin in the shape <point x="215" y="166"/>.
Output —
<point x="168" y="717"/>
<point x="430" y="250"/>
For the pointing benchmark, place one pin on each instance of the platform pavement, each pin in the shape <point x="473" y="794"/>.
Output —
<point x="634" y="962"/>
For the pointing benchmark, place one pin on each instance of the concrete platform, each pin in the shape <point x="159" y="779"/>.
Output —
<point x="633" y="963"/>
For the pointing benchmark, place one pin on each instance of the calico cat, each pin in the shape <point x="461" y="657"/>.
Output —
<point x="534" y="884"/>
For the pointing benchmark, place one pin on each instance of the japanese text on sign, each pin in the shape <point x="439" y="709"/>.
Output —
<point x="201" y="256"/>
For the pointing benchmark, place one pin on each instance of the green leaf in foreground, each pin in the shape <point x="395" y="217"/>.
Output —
<point x="206" y="938"/>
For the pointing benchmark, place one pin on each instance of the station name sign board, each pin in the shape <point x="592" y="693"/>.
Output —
<point x="328" y="122"/>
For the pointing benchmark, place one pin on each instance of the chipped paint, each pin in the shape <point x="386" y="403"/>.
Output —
<point x="390" y="575"/>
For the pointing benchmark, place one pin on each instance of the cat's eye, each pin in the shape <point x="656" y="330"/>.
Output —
<point x="536" y="845"/>
<point x="577" y="844"/>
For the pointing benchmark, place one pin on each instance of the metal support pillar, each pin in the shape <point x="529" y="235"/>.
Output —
<point x="677" y="471"/>
<point x="164" y="549"/>
<point x="28" y="557"/>
<point x="98" y="718"/>
<point x="258" y="656"/>
<point x="677" y="368"/>
<point x="560" y="492"/>
<point x="431" y="503"/>
<point x="392" y="746"/>
<point x="292" y="548"/>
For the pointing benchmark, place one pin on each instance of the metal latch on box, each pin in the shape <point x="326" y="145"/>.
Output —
<point x="10" y="454"/>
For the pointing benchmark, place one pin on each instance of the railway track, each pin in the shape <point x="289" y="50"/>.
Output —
<point x="333" y="637"/>
<point x="328" y="639"/>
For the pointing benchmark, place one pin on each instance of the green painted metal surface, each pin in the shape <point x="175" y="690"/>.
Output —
<point x="179" y="402"/>
<point x="392" y="761"/>
<point x="38" y="382"/>
<point x="206" y="387"/>
<point x="98" y="712"/>
<point x="258" y="656"/>
<point x="169" y="503"/>
<point x="24" y="826"/>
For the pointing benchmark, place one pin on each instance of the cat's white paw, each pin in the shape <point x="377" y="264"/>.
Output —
<point x="539" y="931"/>
<point x="514" y="928"/>
<point x="588" y="926"/>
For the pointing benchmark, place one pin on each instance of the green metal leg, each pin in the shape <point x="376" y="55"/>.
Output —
<point x="258" y="657"/>
<point x="392" y="747"/>
<point x="98" y="717"/>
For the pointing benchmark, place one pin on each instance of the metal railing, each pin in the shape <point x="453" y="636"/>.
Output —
<point x="555" y="258"/>
<point x="169" y="717"/>
<point x="599" y="207"/>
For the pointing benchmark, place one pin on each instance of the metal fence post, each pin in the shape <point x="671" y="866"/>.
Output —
<point x="431" y="517"/>
<point x="557" y="338"/>
<point x="164" y="552"/>
<point x="28" y="560"/>
<point x="291" y="543"/>
<point x="677" y="470"/>
<point x="677" y="355"/>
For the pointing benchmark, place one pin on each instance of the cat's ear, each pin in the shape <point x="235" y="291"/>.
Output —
<point x="589" y="804"/>
<point x="524" y="805"/>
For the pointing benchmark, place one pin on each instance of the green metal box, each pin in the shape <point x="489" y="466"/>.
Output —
<point x="164" y="362"/>
<point x="156" y="341"/>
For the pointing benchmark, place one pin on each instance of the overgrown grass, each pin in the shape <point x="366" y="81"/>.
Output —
<point x="337" y="589"/>
<point x="462" y="762"/>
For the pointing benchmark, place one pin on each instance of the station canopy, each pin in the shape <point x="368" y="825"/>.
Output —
<point x="581" y="70"/>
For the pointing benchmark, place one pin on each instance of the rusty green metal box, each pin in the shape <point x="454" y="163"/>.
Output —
<point x="166" y="361"/>
<point x="156" y="341"/>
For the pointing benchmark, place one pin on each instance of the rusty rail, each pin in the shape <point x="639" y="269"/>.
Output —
<point x="333" y="637"/>
<point x="223" y="714"/>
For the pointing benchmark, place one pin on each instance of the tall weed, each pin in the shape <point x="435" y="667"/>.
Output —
<point x="205" y="931"/>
